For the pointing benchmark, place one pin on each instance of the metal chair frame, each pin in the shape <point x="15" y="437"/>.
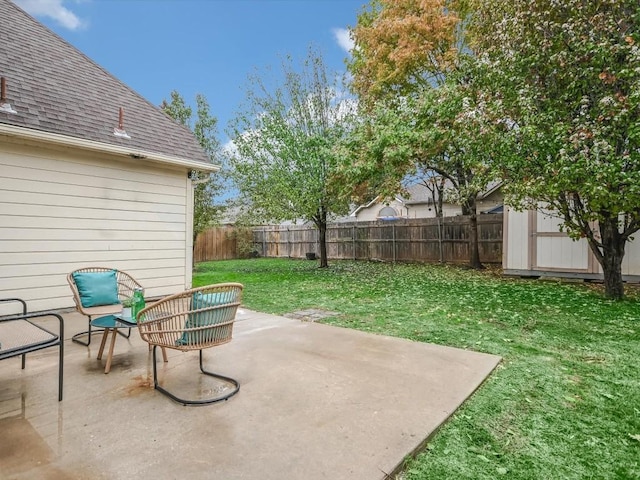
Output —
<point x="34" y="337"/>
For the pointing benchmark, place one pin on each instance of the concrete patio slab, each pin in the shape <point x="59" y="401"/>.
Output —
<point x="316" y="402"/>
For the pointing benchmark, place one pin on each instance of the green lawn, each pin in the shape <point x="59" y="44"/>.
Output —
<point x="564" y="403"/>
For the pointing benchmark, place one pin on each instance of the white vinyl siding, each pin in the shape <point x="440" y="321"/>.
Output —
<point x="61" y="209"/>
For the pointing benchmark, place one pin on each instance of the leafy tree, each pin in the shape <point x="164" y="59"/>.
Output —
<point x="410" y="67"/>
<point x="441" y="137"/>
<point x="567" y="76"/>
<point x="285" y="139"/>
<point x="404" y="46"/>
<point x="204" y="126"/>
<point x="457" y="138"/>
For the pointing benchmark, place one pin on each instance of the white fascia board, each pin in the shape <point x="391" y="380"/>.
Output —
<point x="64" y="140"/>
<point x="372" y="202"/>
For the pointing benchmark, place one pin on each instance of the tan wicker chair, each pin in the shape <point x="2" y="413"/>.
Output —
<point x="126" y="286"/>
<point x="192" y="320"/>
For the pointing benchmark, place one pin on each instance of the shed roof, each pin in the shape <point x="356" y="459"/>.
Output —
<point x="55" y="88"/>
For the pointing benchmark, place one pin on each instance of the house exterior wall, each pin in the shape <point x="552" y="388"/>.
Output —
<point x="418" y="210"/>
<point x="493" y="200"/>
<point x="423" y="210"/>
<point x="534" y="245"/>
<point x="370" y="213"/>
<point x="62" y="209"/>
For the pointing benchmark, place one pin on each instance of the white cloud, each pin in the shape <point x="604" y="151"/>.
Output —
<point x="53" y="9"/>
<point x="343" y="37"/>
<point x="229" y="149"/>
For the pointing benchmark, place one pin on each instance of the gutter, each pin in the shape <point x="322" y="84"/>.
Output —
<point x="66" y="141"/>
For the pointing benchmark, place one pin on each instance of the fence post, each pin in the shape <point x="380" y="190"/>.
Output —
<point x="393" y="243"/>
<point x="353" y="241"/>
<point x="440" y="223"/>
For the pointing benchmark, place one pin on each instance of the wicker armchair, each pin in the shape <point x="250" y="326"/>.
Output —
<point x="126" y="286"/>
<point x="192" y="320"/>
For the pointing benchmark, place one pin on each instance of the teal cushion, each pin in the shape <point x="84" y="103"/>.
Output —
<point x="208" y="317"/>
<point x="97" y="288"/>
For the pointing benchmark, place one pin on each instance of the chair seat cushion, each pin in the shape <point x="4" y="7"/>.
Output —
<point x="208" y="317"/>
<point x="97" y="288"/>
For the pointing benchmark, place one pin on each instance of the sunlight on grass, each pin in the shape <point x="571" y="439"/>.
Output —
<point x="564" y="403"/>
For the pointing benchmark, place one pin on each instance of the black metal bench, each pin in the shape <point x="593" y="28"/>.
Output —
<point x="20" y="335"/>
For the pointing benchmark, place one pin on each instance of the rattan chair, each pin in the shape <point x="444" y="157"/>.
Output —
<point x="126" y="286"/>
<point x="192" y="320"/>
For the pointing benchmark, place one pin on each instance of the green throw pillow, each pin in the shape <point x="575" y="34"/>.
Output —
<point x="97" y="288"/>
<point x="209" y="317"/>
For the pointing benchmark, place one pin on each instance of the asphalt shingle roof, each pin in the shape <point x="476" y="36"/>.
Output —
<point x="55" y="88"/>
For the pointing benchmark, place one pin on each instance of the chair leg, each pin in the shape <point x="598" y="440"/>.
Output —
<point x="61" y="361"/>
<point x="236" y="385"/>
<point x="88" y="342"/>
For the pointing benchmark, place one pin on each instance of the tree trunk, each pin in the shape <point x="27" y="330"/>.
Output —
<point x="474" y="247"/>
<point x="320" y="221"/>
<point x="469" y="208"/>
<point x="610" y="258"/>
<point x="322" y="230"/>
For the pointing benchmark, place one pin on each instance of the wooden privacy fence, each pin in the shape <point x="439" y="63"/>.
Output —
<point x="416" y="240"/>
<point x="218" y="243"/>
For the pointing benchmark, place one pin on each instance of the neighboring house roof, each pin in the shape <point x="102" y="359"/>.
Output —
<point x="365" y="205"/>
<point x="498" y="209"/>
<point x="56" y="89"/>
<point x="492" y="187"/>
<point x="418" y="193"/>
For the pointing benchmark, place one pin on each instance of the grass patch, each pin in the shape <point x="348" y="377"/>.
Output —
<point x="564" y="403"/>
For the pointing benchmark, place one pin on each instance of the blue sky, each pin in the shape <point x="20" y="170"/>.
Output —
<point x="198" y="46"/>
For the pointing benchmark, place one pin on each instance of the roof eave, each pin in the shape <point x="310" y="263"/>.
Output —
<point x="355" y="212"/>
<point x="67" y="141"/>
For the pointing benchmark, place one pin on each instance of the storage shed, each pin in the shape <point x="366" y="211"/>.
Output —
<point x="534" y="246"/>
<point x="91" y="173"/>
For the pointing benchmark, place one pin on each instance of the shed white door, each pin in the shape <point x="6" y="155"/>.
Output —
<point x="553" y="250"/>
